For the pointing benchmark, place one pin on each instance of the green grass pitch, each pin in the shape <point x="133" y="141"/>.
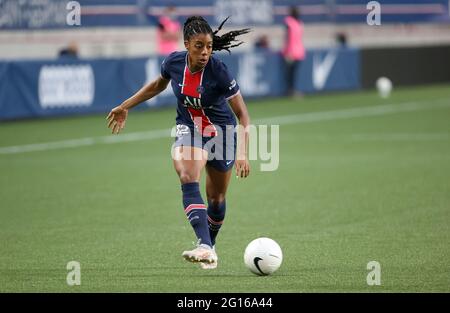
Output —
<point x="351" y="187"/>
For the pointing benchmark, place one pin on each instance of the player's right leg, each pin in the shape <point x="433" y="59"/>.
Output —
<point x="189" y="162"/>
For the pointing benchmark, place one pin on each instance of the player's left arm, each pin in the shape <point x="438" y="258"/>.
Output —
<point x="243" y="133"/>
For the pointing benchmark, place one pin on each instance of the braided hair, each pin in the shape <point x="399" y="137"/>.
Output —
<point x="198" y="25"/>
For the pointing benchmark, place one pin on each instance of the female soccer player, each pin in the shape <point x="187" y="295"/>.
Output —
<point x="206" y="128"/>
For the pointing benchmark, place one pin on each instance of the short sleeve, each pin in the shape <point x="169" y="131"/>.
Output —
<point x="165" y="68"/>
<point x="226" y="81"/>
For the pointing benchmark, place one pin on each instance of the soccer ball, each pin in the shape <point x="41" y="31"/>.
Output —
<point x="384" y="87"/>
<point x="263" y="256"/>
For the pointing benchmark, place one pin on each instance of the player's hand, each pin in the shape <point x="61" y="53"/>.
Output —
<point x="242" y="168"/>
<point x="117" y="118"/>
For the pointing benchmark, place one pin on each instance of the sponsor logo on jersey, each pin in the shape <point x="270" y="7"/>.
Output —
<point x="200" y="89"/>
<point x="192" y="102"/>
<point x="232" y="84"/>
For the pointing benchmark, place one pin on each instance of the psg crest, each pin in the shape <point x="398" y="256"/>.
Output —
<point x="200" y="89"/>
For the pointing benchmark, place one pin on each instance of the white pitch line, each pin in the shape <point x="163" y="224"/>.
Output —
<point x="354" y="112"/>
<point x="89" y="141"/>
<point x="365" y="137"/>
<point x="277" y="120"/>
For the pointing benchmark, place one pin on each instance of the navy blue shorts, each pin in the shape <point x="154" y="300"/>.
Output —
<point x="221" y="148"/>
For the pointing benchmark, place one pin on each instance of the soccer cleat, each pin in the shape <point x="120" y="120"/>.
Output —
<point x="210" y="266"/>
<point x="202" y="253"/>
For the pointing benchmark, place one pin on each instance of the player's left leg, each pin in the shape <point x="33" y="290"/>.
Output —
<point x="216" y="188"/>
<point x="218" y="174"/>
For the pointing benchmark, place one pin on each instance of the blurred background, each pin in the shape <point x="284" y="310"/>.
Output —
<point x="63" y="57"/>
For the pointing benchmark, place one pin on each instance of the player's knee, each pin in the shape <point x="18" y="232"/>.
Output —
<point x="186" y="177"/>
<point x="216" y="200"/>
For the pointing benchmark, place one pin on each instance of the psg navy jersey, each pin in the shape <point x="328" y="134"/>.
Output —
<point x="202" y="95"/>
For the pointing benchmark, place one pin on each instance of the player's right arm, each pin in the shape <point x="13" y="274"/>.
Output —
<point x="117" y="117"/>
<point x="145" y="93"/>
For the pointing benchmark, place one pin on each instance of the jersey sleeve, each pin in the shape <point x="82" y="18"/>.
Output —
<point x="165" y="67"/>
<point x="226" y="81"/>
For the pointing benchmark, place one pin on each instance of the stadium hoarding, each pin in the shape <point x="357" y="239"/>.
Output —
<point x="405" y="66"/>
<point x="76" y="86"/>
<point x="52" y="14"/>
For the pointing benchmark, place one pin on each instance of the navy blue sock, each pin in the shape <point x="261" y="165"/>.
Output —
<point x="195" y="209"/>
<point x="216" y="215"/>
